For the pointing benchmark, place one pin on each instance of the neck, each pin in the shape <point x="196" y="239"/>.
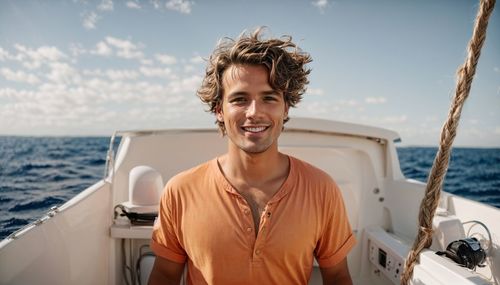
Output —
<point x="254" y="168"/>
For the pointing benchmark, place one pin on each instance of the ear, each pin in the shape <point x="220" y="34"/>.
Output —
<point x="219" y="115"/>
<point x="287" y="107"/>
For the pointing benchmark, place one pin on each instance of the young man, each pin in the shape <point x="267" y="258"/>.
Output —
<point x="252" y="215"/>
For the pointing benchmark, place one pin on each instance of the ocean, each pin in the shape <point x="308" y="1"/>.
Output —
<point x="37" y="173"/>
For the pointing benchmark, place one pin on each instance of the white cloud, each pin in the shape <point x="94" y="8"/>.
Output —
<point x="496" y="69"/>
<point x="497" y="130"/>
<point x="7" y="92"/>
<point x="156" y="4"/>
<point x="394" y="119"/>
<point x="34" y="58"/>
<point x="19" y="76"/>
<point x="48" y="53"/>
<point x="133" y="5"/>
<point x="166" y="59"/>
<point x="197" y="59"/>
<point x="4" y="55"/>
<point x="472" y="132"/>
<point x="115" y="74"/>
<point x="375" y="100"/>
<point x="155" y="72"/>
<point x="125" y="93"/>
<point x="89" y="20"/>
<point x="350" y="103"/>
<point x="188" y="68"/>
<point x="37" y="111"/>
<point x="105" y="5"/>
<point x="183" y="6"/>
<point x="77" y="49"/>
<point x="318" y="108"/>
<point x="126" y="49"/>
<point x="315" y="91"/>
<point x="63" y="73"/>
<point x="40" y="105"/>
<point x="185" y="85"/>
<point x="321" y="5"/>
<point x="146" y="61"/>
<point x="119" y="43"/>
<point x="102" y="49"/>
<point x="93" y="72"/>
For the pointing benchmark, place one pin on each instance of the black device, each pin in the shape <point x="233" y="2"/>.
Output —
<point x="467" y="252"/>
<point x="136" y="218"/>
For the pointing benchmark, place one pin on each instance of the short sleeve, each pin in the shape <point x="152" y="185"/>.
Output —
<point x="165" y="238"/>
<point x="337" y="238"/>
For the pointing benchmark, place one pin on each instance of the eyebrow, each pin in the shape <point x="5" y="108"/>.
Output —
<point x="271" y="92"/>
<point x="263" y="93"/>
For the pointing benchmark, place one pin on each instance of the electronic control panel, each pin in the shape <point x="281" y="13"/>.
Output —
<point x="387" y="253"/>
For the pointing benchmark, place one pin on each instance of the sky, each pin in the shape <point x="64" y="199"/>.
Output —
<point x="88" y="68"/>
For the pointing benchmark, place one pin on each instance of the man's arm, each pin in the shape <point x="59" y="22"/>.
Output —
<point x="166" y="272"/>
<point x="337" y="274"/>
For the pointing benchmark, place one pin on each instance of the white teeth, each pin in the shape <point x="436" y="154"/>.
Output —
<point x="254" y="129"/>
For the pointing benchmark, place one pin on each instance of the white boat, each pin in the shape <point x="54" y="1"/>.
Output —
<point x="81" y="243"/>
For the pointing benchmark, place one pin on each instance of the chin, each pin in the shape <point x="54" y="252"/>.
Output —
<point x="257" y="149"/>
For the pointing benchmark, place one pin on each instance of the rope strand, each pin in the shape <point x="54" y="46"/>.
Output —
<point x="448" y="132"/>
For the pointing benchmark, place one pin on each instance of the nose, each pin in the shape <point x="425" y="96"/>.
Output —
<point x="253" y="109"/>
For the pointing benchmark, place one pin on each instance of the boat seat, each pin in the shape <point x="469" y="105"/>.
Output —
<point x="351" y="169"/>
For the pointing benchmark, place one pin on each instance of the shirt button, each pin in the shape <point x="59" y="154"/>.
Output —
<point x="246" y="211"/>
<point x="257" y="251"/>
<point x="249" y="229"/>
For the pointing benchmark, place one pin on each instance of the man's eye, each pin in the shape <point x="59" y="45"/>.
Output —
<point x="270" y="98"/>
<point x="237" y="100"/>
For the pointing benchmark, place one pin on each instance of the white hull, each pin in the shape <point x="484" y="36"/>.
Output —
<point x="78" y="243"/>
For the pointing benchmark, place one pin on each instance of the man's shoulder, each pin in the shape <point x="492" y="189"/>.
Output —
<point x="314" y="179"/>
<point x="304" y="168"/>
<point x="191" y="175"/>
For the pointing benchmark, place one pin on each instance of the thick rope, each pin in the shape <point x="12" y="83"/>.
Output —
<point x="448" y="133"/>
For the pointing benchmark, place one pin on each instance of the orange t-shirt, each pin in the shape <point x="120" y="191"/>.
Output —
<point x="205" y="221"/>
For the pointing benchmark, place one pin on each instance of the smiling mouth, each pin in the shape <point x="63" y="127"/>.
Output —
<point x="254" y="129"/>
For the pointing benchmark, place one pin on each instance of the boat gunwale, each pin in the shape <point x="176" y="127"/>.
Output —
<point x="53" y="211"/>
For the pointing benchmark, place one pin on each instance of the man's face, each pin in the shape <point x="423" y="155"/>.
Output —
<point x="251" y="110"/>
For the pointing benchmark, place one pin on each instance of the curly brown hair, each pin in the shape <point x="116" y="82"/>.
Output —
<point x="285" y="62"/>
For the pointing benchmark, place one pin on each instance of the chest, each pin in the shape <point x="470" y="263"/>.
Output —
<point x="227" y="224"/>
<point x="226" y="230"/>
<point x="223" y="237"/>
<point x="257" y="201"/>
<point x="257" y="198"/>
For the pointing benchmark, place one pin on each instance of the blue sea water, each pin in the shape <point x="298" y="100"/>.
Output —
<point x="37" y="173"/>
